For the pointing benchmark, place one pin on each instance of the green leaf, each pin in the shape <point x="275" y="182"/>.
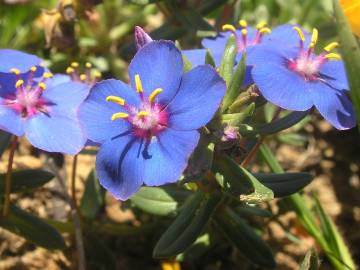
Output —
<point x="234" y="88"/>
<point x="93" y="197"/>
<point x="282" y="123"/>
<point x="247" y="210"/>
<point x="351" y="54"/>
<point x="209" y="59"/>
<point x="228" y="60"/>
<point x="311" y="261"/>
<point x="197" y="249"/>
<point x="284" y="184"/>
<point x="236" y="119"/>
<point x="188" y="225"/>
<point x="244" y="238"/>
<point x="26" y="180"/>
<point x="187" y="63"/>
<point x="160" y="201"/>
<point x="32" y="229"/>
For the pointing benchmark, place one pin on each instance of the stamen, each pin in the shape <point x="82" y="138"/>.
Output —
<point x="314" y="38"/>
<point x="119" y="115"/>
<point x="333" y="56"/>
<point x="300" y="33"/>
<point x="244" y="32"/>
<point x="331" y="46"/>
<point x="142" y="113"/>
<point x="69" y="70"/>
<point x="261" y="25"/>
<point x="243" y="23"/>
<point x="116" y="99"/>
<point x="97" y="74"/>
<point x="265" y="30"/>
<point x="42" y="85"/>
<point x="74" y="64"/>
<point x="228" y="27"/>
<point x="15" y="71"/>
<point x="138" y="84"/>
<point x="33" y="69"/>
<point x="83" y="77"/>
<point x="154" y="94"/>
<point x="88" y="65"/>
<point x="19" y="83"/>
<point x="48" y="75"/>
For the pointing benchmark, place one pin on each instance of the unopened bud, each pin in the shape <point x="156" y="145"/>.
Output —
<point x="141" y="37"/>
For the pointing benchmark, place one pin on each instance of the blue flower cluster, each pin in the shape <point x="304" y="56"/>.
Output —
<point x="147" y="130"/>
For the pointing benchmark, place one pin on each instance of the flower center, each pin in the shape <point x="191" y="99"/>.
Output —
<point x="89" y="75"/>
<point x="307" y="64"/>
<point x="27" y="99"/>
<point x="243" y="41"/>
<point x="148" y="119"/>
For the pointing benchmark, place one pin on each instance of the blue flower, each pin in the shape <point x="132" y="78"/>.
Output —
<point x="148" y="131"/>
<point x="22" y="61"/>
<point x="295" y="78"/>
<point x="41" y="108"/>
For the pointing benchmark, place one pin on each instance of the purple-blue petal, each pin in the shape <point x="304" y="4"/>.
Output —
<point x="335" y="74"/>
<point x="10" y="120"/>
<point x="217" y="44"/>
<point x="159" y="65"/>
<point x="120" y="166"/>
<point x="95" y="112"/>
<point x="334" y="106"/>
<point x="16" y="59"/>
<point x="56" y="131"/>
<point x="285" y="35"/>
<point x="199" y="96"/>
<point x="58" y="79"/>
<point x="196" y="56"/>
<point x="166" y="157"/>
<point x="7" y="85"/>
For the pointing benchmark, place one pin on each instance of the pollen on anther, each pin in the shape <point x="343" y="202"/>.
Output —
<point x="69" y="70"/>
<point x="97" y="74"/>
<point x="119" y="115"/>
<point x="331" y="46"/>
<point x="243" y="23"/>
<point x="265" y="30"/>
<point x="19" y="83"/>
<point x="48" y="75"/>
<point x="15" y="71"/>
<point x="33" y="69"/>
<point x="116" y="99"/>
<point x="300" y="33"/>
<point x="261" y="25"/>
<point x="228" y="27"/>
<point x="142" y="114"/>
<point x="333" y="56"/>
<point x="74" y="64"/>
<point x="314" y="38"/>
<point x="244" y="32"/>
<point x="83" y="77"/>
<point x="88" y="65"/>
<point x="154" y="94"/>
<point x="138" y="84"/>
<point x="42" y="85"/>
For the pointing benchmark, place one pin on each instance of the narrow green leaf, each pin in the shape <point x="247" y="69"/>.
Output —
<point x="32" y="229"/>
<point x="209" y="59"/>
<point x="187" y="63"/>
<point x="188" y="225"/>
<point x="234" y="88"/>
<point x="93" y="197"/>
<point x="26" y="180"/>
<point x="284" y="184"/>
<point x="236" y="119"/>
<point x="228" y="60"/>
<point x="197" y="249"/>
<point x="311" y="261"/>
<point x="351" y="54"/>
<point x="244" y="238"/>
<point x="160" y="201"/>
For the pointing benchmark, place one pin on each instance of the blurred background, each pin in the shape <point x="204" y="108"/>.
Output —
<point x="101" y="32"/>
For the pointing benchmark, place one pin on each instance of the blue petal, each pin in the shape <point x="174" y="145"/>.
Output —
<point x="120" y="166"/>
<point x="159" y="65"/>
<point x="196" y="57"/>
<point x="96" y="112"/>
<point x="335" y="75"/>
<point x="57" y="131"/>
<point x="285" y="35"/>
<point x="67" y="96"/>
<point x="10" y="120"/>
<point x="334" y="106"/>
<point x="7" y="85"/>
<point x="217" y="44"/>
<point x="199" y="96"/>
<point x="58" y="79"/>
<point x="15" y="59"/>
<point x="166" y="157"/>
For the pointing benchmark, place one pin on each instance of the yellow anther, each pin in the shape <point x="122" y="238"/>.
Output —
<point x="244" y="32"/>
<point x="19" y="83"/>
<point x="331" y="46"/>
<point x="42" y="86"/>
<point x="15" y="71"/>
<point x="48" y="75"/>
<point x="228" y="27"/>
<point x="300" y="33"/>
<point x="243" y="23"/>
<point x="265" y="30"/>
<point x="142" y="113"/>
<point x="154" y="94"/>
<point x="261" y="24"/>
<point x="314" y="38"/>
<point x="119" y="115"/>
<point x="88" y="65"/>
<point x="116" y="99"/>
<point x="83" y="77"/>
<point x="33" y="69"/>
<point x="97" y="74"/>
<point x="138" y="84"/>
<point x="74" y="64"/>
<point x="69" y="70"/>
<point x="333" y="56"/>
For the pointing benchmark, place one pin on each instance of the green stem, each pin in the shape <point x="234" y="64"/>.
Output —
<point x="8" y="177"/>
